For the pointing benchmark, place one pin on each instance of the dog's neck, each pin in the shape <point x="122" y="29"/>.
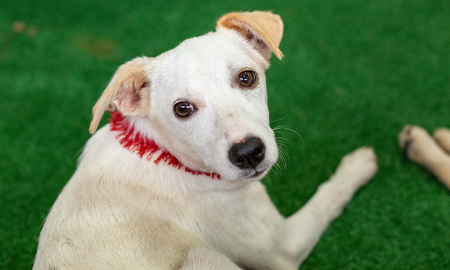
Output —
<point x="145" y="147"/>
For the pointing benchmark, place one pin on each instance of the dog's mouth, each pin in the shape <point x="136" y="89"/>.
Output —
<point x="256" y="173"/>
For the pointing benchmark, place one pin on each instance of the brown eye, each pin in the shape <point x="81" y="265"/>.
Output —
<point x="183" y="109"/>
<point x="247" y="78"/>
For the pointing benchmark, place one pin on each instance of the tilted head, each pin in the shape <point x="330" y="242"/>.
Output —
<point x="205" y="101"/>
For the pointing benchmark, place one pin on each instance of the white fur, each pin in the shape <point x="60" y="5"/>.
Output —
<point x="120" y="211"/>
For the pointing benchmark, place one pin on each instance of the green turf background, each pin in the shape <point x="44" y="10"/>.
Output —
<point x="354" y="73"/>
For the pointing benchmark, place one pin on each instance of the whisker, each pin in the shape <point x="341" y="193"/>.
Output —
<point x="278" y="139"/>
<point x="268" y="178"/>
<point x="281" y="141"/>
<point x="278" y="119"/>
<point x="277" y="128"/>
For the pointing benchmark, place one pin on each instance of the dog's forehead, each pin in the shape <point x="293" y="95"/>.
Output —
<point x="211" y="50"/>
<point x="216" y="50"/>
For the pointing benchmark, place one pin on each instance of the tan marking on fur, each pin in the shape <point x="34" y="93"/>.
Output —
<point x="265" y="26"/>
<point x="124" y="88"/>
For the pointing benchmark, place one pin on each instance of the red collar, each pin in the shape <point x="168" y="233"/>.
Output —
<point x="137" y="143"/>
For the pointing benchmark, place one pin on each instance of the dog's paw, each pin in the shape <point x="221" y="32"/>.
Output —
<point x="358" y="167"/>
<point x="419" y="146"/>
<point x="442" y="137"/>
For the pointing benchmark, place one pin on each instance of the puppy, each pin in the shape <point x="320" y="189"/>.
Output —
<point x="173" y="181"/>
<point x="432" y="153"/>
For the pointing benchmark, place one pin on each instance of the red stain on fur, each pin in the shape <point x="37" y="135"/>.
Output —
<point x="145" y="147"/>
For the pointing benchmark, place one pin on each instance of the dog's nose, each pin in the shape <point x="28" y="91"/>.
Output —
<point x="247" y="154"/>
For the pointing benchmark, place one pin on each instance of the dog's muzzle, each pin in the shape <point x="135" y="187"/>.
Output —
<point x="247" y="154"/>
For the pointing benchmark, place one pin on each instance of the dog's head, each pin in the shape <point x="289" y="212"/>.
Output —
<point x="205" y="101"/>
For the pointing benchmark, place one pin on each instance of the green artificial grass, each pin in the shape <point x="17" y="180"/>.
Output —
<point x="354" y="73"/>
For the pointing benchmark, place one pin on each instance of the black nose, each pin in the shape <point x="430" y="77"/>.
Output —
<point x="247" y="154"/>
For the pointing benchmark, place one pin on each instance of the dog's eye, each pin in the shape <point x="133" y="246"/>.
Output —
<point x="247" y="78"/>
<point x="183" y="109"/>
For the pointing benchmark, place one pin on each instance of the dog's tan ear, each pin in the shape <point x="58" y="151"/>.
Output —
<point x="263" y="29"/>
<point x="124" y="92"/>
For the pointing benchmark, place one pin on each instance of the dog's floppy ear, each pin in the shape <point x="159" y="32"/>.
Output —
<point x="262" y="29"/>
<point x="124" y="92"/>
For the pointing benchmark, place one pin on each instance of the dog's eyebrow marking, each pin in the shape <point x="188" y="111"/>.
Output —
<point x="233" y="81"/>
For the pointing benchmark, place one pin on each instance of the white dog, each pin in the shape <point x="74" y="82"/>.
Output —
<point x="172" y="181"/>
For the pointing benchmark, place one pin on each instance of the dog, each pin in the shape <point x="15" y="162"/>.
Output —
<point x="172" y="182"/>
<point x="430" y="152"/>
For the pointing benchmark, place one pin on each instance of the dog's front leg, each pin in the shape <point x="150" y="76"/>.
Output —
<point x="202" y="258"/>
<point x="304" y="228"/>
